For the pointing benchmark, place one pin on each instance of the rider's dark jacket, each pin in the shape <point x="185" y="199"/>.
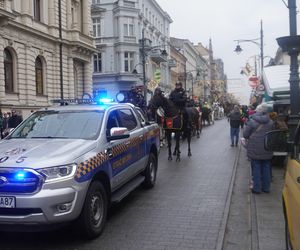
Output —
<point x="179" y="97"/>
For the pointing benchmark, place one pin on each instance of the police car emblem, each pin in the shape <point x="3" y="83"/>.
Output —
<point x="3" y="181"/>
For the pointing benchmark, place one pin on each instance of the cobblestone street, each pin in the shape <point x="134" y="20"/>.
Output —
<point x="189" y="208"/>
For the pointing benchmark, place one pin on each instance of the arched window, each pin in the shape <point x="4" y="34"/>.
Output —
<point x="8" y="71"/>
<point x="39" y="76"/>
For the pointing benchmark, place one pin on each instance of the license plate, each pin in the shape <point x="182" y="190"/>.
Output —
<point x="7" y="202"/>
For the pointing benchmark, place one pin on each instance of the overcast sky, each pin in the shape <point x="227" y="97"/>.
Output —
<point x="226" y="20"/>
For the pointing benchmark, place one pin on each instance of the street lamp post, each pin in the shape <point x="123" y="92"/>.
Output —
<point x="144" y="64"/>
<point x="260" y="44"/>
<point x="291" y="44"/>
<point x="145" y="49"/>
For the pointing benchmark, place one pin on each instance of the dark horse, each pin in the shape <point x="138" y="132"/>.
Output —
<point x="180" y="123"/>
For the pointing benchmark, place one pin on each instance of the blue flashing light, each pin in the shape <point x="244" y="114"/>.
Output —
<point x="20" y="175"/>
<point x="105" y="100"/>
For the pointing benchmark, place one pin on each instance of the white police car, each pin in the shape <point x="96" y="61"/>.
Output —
<point x="69" y="163"/>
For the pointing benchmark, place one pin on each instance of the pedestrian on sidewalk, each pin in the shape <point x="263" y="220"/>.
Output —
<point x="235" y="122"/>
<point x="254" y="132"/>
<point x="15" y="119"/>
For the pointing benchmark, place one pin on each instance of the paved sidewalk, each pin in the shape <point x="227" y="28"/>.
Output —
<point x="255" y="222"/>
<point x="269" y="214"/>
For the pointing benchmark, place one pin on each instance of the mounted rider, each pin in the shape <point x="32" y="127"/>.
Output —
<point x="206" y="110"/>
<point x="179" y="97"/>
<point x="135" y="96"/>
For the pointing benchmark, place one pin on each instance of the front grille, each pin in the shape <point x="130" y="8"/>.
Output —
<point x="19" y="211"/>
<point x="28" y="183"/>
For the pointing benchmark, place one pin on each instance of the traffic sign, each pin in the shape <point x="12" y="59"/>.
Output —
<point x="157" y="75"/>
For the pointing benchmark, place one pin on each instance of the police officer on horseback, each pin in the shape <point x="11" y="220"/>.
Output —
<point x="179" y="97"/>
<point x="136" y="97"/>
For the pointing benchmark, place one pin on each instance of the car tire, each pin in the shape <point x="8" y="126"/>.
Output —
<point x="150" y="172"/>
<point x="94" y="213"/>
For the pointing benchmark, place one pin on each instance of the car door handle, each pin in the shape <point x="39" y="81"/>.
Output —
<point x="109" y="152"/>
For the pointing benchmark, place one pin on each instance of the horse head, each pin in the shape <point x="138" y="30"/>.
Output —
<point x="165" y="104"/>
<point x="157" y="101"/>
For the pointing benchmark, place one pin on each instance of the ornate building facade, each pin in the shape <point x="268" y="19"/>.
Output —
<point x="119" y="28"/>
<point x="46" y="52"/>
<point x="179" y="69"/>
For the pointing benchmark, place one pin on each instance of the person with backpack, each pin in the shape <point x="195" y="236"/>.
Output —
<point x="254" y="133"/>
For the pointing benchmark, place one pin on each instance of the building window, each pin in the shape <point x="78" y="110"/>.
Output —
<point x="37" y="10"/>
<point x="129" y="60"/>
<point x="39" y="76"/>
<point x="8" y="71"/>
<point x="97" y="27"/>
<point x="96" y="1"/>
<point x="98" y="62"/>
<point x="129" y="26"/>
<point x="129" y="4"/>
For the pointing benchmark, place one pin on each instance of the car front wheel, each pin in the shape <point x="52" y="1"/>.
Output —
<point x="150" y="172"/>
<point x="94" y="212"/>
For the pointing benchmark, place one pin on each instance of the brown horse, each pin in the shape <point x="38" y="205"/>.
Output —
<point x="175" y="121"/>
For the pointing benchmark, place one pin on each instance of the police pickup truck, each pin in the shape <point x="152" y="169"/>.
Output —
<point x="70" y="162"/>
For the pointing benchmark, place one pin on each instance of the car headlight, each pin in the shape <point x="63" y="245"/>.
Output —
<point x="58" y="173"/>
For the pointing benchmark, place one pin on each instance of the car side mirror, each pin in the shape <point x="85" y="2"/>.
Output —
<point x="277" y="141"/>
<point x="118" y="133"/>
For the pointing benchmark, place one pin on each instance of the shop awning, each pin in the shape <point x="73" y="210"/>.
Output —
<point x="276" y="81"/>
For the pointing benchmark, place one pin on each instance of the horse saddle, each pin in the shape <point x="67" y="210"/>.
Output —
<point x="175" y="122"/>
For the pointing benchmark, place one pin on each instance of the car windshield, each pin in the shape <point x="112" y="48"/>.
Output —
<point x="74" y="124"/>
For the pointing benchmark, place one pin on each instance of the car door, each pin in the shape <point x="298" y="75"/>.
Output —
<point x="137" y="145"/>
<point x="117" y="151"/>
<point x="292" y="196"/>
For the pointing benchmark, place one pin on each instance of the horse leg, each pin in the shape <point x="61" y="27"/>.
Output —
<point x="189" y="143"/>
<point x="175" y="148"/>
<point x="169" y="139"/>
<point x="198" y="127"/>
<point x="177" y="137"/>
<point x="195" y="130"/>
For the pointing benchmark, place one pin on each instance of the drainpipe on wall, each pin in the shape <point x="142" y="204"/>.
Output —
<point x="60" y="52"/>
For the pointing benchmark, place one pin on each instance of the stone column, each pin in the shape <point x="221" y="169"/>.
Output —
<point x="121" y="29"/>
<point x="72" y="87"/>
<point x="86" y="17"/>
<point x="2" y="79"/>
<point x="26" y="10"/>
<point x="75" y="6"/>
<point x="69" y="15"/>
<point x="88" y="81"/>
<point x="26" y="7"/>
<point x="122" y="62"/>
<point x="51" y="12"/>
